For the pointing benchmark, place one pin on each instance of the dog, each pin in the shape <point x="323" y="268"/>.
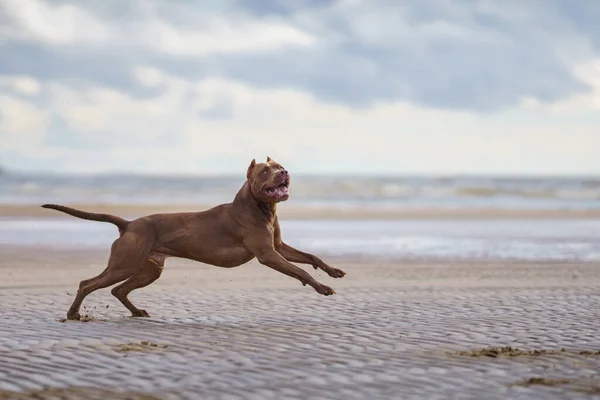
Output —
<point x="227" y="236"/>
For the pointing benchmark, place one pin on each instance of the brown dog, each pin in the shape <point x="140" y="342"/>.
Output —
<point x="227" y="236"/>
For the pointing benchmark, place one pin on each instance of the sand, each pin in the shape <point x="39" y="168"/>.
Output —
<point x="395" y="329"/>
<point x="290" y="211"/>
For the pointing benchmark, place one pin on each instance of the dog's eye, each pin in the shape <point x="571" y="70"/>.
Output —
<point x="264" y="171"/>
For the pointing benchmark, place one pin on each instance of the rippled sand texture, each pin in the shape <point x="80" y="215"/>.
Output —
<point x="394" y="330"/>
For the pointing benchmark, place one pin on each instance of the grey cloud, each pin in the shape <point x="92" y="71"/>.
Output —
<point x="223" y="109"/>
<point x="581" y="16"/>
<point x="107" y="68"/>
<point x="59" y="133"/>
<point x="279" y="7"/>
<point x="357" y="62"/>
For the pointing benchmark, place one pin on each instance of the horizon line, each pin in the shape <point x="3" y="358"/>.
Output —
<point x="36" y="173"/>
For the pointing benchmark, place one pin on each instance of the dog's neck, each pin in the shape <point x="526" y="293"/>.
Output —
<point x="263" y="209"/>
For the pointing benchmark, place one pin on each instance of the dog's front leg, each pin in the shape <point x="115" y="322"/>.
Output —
<point x="293" y="255"/>
<point x="261" y="246"/>
<point x="276" y="261"/>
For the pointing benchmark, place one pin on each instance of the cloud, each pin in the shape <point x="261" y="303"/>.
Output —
<point x="443" y="86"/>
<point x="462" y="55"/>
<point x="99" y="129"/>
<point x="474" y="55"/>
<point x="22" y="124"/>
<point x="24" y="85"/>
<point x="69" y="25"/>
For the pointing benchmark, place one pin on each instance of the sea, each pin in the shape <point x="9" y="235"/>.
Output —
<point x="561" y="240"/>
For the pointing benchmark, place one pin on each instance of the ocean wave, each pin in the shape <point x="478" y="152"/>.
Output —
<point x="333" y="190"/>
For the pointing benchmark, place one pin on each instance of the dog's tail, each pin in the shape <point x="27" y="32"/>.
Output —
<point x="113" y="219"/>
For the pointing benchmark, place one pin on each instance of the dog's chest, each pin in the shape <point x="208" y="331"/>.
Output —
<point x="223" y="256"/>
<point x="231" y="256"/>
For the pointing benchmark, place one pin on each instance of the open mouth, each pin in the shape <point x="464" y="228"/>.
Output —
<point x="278" y="192"/>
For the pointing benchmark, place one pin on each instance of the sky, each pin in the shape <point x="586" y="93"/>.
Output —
<point x="438" y="87"/>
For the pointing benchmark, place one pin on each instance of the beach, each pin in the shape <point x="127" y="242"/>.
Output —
<point x="393" y="330"/>
<point x="455" y="288"/>
<point x="432" y="162"/>
<point x="457" y="306"/>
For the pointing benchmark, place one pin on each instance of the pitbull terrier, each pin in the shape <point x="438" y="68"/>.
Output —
<point x="227" y="236"/>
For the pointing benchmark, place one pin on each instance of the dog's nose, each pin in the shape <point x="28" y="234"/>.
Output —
<point x="283" y="172"/>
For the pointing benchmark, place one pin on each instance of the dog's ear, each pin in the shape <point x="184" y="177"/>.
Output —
<point x="250" y="168"/>
<point x="269" y="159"/>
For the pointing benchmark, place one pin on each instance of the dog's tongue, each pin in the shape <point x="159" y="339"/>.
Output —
<point x="280" y="191"/>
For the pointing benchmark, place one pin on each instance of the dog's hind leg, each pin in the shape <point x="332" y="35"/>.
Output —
<point x="148" y="273"/>
<point x="105" y="279"/>
<point x="126" y="256"/>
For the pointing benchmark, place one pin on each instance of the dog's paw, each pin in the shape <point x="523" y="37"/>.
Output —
<point x="325" y="290"/>
<point x="335" y="273"/>
<point x="74" y="316"/>
<point x="141" y="314"/>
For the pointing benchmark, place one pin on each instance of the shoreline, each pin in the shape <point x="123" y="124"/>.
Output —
<point x="314" y="213"/>
<point x="28" y="252"/>
<point x="41" y="267"/>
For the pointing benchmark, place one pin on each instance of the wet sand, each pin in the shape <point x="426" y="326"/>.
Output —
<point x="395" y="329"/>
<point x="290" y="211"/>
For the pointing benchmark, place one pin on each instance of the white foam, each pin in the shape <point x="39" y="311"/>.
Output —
<point x="559" y="240"/>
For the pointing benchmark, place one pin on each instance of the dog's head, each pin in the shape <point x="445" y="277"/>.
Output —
<point x="269" y="181"/>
